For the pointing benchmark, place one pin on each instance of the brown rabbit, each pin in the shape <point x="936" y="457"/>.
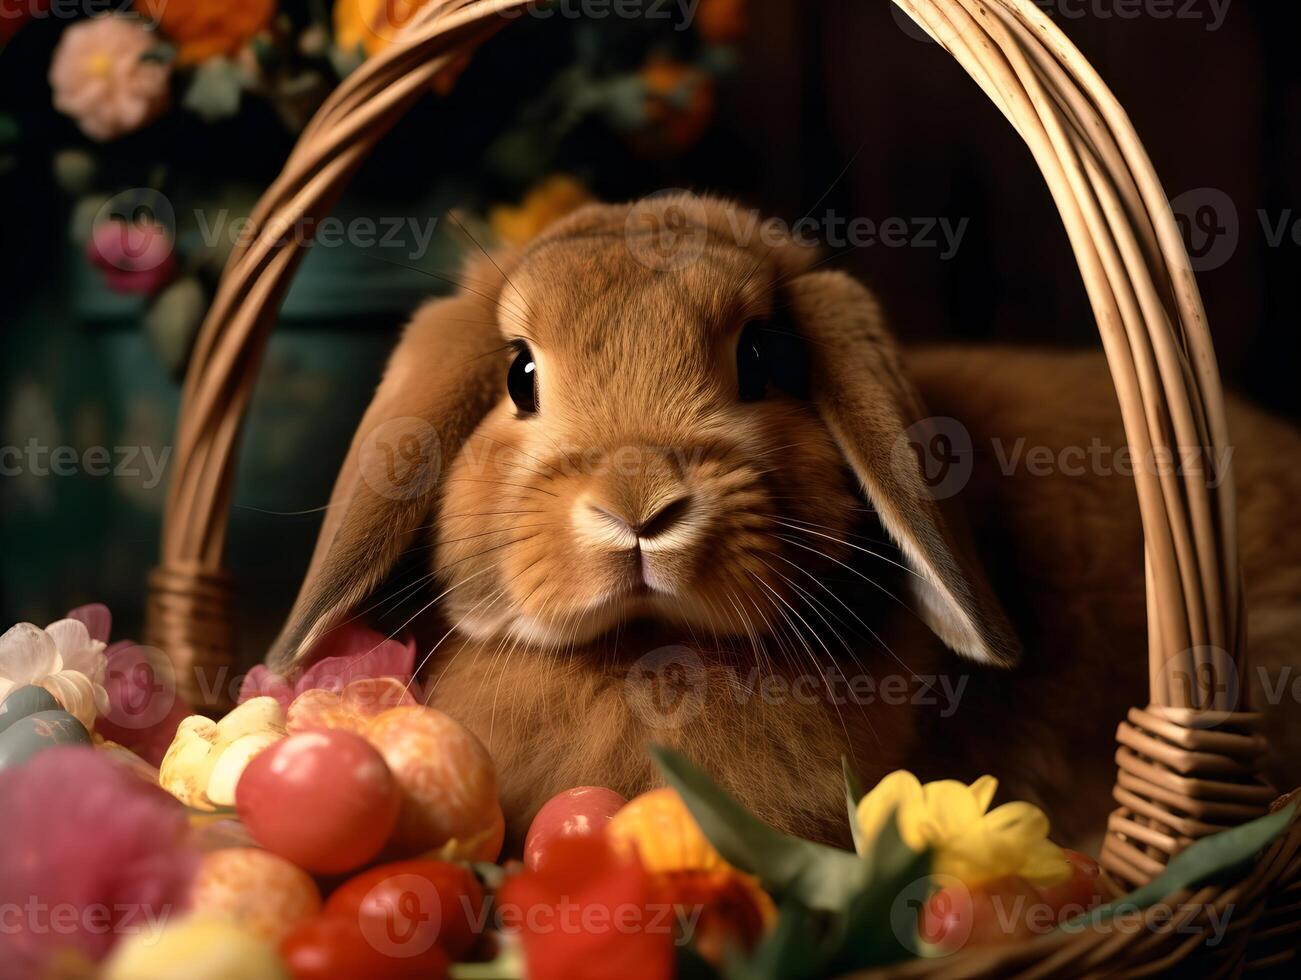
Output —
<point x="666" y="470"/>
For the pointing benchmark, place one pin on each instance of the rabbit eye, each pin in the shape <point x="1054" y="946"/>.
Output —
<point x="522" y="379"/>
<point x="751" y="363"/>
<point x="769" y="358"/>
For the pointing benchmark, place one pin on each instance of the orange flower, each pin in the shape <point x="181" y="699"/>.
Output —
<point x="679" y="105"/>
<point x="731" y="911"/>
<point x="687" y="869"/>
<point x="370" y="24"/>
<point x="549" y="201"/>
<point x="203" y="29"/>
<point x="721" y="21"/>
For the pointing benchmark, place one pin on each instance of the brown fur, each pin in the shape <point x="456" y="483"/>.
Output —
<point x="568" y="649"/>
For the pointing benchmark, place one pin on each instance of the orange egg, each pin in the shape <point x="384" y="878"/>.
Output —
<point x="255" y="889"/>
<point x="448" y="781"/>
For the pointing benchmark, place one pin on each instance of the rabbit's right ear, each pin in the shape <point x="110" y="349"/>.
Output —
<point x="440" y="382"/>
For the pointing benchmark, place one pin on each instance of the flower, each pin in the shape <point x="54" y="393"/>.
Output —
<point x="83" y="832"/>
<point x="63" y="659"/>
<point x="205" y="28"/>
<point x="350" y="709"/>
<point x="548" y="201"/>
<point x="585" y="915"/>
<point x="658" y="829"/>
<point x="970" y="842"/>
<point x="135" y="257"/>
<point x="206" y="758"/>
<point x="102" y="80"/>
<point x="721" y="21"/>
<point x="679" y="103"/>
<point x="348" y="652"/>
<point x="370" y="25"/>
<point x="687" y="870"/>
<point x="144" y="707"/>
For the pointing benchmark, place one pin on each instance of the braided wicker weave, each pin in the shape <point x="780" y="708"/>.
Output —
<point x="1187" y="761"/>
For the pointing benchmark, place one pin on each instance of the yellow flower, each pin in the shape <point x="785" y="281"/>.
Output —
<point x="969" y="841"/>
<point x="549" y="201"/>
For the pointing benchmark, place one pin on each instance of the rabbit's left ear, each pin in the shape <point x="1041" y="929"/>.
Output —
<point x="868" y="404"/>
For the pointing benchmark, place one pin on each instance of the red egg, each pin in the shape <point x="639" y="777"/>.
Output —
<point x="324" y="800"/>
<point x="1078" y="893"/>
<point x="577" y="812"/>
<point x="339" y="948"/>
<point x="992" y="913"/>
<point x="408" y="906"/>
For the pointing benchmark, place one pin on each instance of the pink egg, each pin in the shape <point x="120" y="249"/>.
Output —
<point x="578" y="812"/>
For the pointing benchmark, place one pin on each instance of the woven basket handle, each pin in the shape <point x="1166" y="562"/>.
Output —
<point x="1180" y="778"/>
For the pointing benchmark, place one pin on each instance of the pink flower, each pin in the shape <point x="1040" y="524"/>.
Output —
<point x="346" y="653"/>
<point x="102" y="80"/>
<point x="134" y="257"/>
<point x="144" y="707"/>
<point x="90" y="852"/>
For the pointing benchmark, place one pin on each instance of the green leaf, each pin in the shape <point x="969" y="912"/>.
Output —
<point x="790" y="952"/>
<point x="215" y="91"/>
<point x="1204" y="859"/>
<point x="881" y="924"/>
<point x="853" y="793"/>
<point x="819" y="876"/>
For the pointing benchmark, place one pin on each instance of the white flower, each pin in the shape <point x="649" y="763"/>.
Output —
<point x="63" y="659"/>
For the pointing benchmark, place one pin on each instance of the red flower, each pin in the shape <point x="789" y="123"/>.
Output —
<point x="590" y="913"/>
<point x="15" y="13"/>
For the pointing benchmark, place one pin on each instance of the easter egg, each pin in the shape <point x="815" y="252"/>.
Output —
<point x="24" y="701"/>
<point x="409" y="906"/>
<point x="338" y="948"/>
<point x="255" y="889"/>
<point x="323" y="799"/>
<point x="993" y="913"/>
<point x="577" y="812"/>
<point x="27" y="736"/>
<point x="196" y="949"/>
<point x="1078" y="893"/>
<point x="448" y="781"/>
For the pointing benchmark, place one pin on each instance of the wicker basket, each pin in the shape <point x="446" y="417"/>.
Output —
<point x="1187" y="761"/>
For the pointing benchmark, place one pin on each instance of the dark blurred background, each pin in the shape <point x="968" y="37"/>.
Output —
<point x="838" y="103"/>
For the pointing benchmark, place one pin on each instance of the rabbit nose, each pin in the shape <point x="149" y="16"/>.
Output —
<point x="659" y="521"/>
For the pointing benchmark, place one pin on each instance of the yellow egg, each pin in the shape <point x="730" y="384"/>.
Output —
<point x="449" y="784"/>
<point x="255" y="889"/>
<point x="658" y="828"/>
<point x="194" y="949"/>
